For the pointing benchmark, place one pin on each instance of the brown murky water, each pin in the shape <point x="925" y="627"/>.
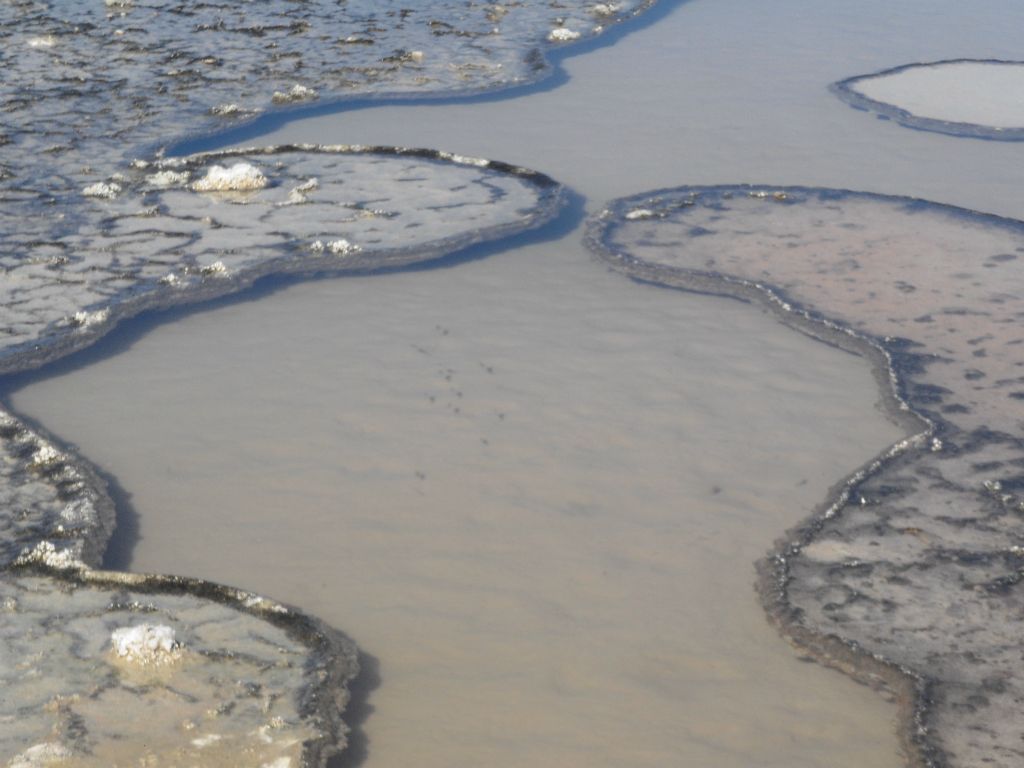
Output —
<point x="534" y="491"/>
<point x="531" y="489"/>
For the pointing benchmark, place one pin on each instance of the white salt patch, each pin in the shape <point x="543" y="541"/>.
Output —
<point x="562" y="35"/>
<point x="281" y="762"/>
<point x="262" y="603"/>
<point x="217" y="269"/>
<point x="99" y="189"/>
<point x="45" y="553"/>
<point x="45" y="454"/>
<point x="640" y="213"/>
<point x="339" y="247"/>
<point x="295" y="93"/>
<point x="40" y="755"/>
<point x="146" y="644"/>
<point x="171" y="279"/>
<point x="164" y="179"/>
<point x="46" y="41"/>
<point x="231" y="110"/>
<point x="87" y="319"/>
<point x="78" y="511"/>
<point x="298" y="195"/>
<point x="605" y="9"/>
<point x="239" y="177"/>
<point x="342" y="247"/>
<point x="479" y="162"/>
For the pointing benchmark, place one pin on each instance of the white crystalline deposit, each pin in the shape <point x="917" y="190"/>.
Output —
<point x="295" y="93"/>
<point x="100" y="189"/>
<point x="77" y="512"/>
<point x="45" y="454"/>
<point x="45" y="553"/>
<point x="562" y="35"/>
<point x="479" y="162"/>
<point x="217" y="269"/>
<point x="165" y="179"/>
<point x="606" y="9"/>
<point x="87" y="319"/>
<point x="298" y="195"/>
<point x="240" y="177"/>
<point x="640" y="213"/>
<point x="40" y="755"/>
<point x="340" y="247"/>
<point x="149" y="644"/>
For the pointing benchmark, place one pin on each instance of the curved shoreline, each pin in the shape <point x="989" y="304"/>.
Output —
<point x="846" y="91"/>
<point x="912" y="689"/>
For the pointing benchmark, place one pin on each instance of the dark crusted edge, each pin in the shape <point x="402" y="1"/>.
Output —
<point x="334" y="656"/>
<point x="845" y="90"/>
<point x="911" y="690"/>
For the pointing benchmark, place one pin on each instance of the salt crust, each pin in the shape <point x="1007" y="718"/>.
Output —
<point x="164" y="179"/>
<point x="341" y="247"/>
<point x="146" y="644"/>
<point x="86" y="319"/>
<point x="102" y="190"/>
<point x="40" y="755"/>
<point x="562" y="35"/>
<point x="45" y="553"/>
<point x="295" y="93"/>
<point x="240" y="177"/>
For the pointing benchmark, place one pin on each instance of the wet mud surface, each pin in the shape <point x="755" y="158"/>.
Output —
<point x="96" y="226"/>
<point x="212" y="682"/>
<point x="912" y="569"/>
<point x="969" y="98"/>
